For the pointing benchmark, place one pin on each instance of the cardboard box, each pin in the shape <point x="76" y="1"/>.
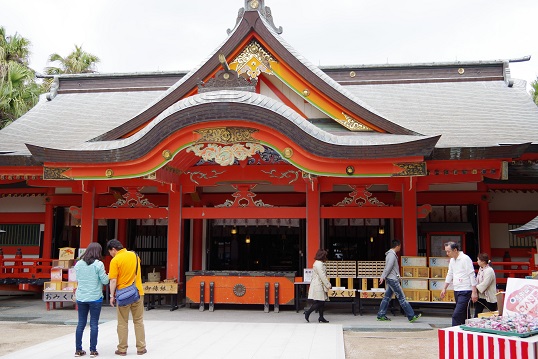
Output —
<point x="66" y="253"/>
<point x="65" y="264"/>
<point x="50" y="286"/>
<point x="56" y="274"/>
<point x="415" y="283"/>
<point x="417" y="295"/>
<point x="154" y="276"/>
<point x="72" y="275"/>
<point x="412" y="261"/>
<point x="436" y="296"/>
<point x="69" y="286"/>
<point x="439" y="261"/>
<point x="439" y="284"/>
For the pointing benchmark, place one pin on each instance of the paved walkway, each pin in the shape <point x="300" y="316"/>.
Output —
<point x="228" y="332"/>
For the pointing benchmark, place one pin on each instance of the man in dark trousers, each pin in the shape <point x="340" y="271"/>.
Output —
<point x="462" y="275"/>
<point x="391" y="276"/>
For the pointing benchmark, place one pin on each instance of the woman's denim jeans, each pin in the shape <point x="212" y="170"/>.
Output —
<point x="393" y="287"/>
<point x="94" y="308"/>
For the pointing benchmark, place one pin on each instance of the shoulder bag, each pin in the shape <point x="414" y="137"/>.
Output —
<point x="128" y="295"/>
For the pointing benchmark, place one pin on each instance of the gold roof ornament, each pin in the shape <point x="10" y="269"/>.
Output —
<point x="353" y="125"/>
<point x="252" y="61"/>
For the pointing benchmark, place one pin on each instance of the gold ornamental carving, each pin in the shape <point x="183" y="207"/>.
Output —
<point x="360" y="197"/>
<point x="226" y="135"/>
<point x="353" y="125"/>
<point x="288" y="152"/>
<point x="109" y="173"/>
<point x="55" y="173"/>
<point x="411" y="169"/>
<point x="252" y="61"/>
<point x="167" y="154"/>
<point x="226" y="155"/>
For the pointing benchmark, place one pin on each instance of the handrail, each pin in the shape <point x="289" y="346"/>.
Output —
<point x="25" y="268"/>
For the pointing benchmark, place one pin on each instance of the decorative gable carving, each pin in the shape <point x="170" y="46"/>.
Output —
<point x="252" y="61"/>
<point x="228" y="80"/>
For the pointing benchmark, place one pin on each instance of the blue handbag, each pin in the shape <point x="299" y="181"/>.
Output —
<point x="130" y="294"/>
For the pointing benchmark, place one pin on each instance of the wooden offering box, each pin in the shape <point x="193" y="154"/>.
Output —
<point x="235" y="287"/>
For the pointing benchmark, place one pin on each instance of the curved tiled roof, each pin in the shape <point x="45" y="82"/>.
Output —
<point x="71" y="119"/>
<point x="467" y="114"/>
<point x="251" y="107"/>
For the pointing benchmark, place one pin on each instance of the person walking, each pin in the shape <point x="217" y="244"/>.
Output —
<point x="391" y="277"/>
<point x="319" y="286"/>
<point x="124" y="270"/>
<point x="485" y="285"/>
<point x="461" y="275"/>
<point x="91" y="277"/>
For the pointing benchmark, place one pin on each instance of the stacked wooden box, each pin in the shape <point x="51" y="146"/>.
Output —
<point x="369" y="273"/>
<point x="58" y="290"/>
<point x="415" y="275"/>
<point x="439" y="270"/>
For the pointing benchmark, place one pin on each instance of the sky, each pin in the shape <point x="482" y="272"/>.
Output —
<point x="176" y="35"/>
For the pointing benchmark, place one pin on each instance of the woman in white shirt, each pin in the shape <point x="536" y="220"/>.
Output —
<point x="486" y="287"/>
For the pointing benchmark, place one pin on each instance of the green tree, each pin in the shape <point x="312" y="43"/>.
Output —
<point x="534" y="90"/>
<point x="77" y="62"/>
<point x="19" y="91"/>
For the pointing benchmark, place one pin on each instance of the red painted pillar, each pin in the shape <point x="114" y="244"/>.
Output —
<point x="409" y="208"/>
<point x="87" y="222"/>
<point x="122" y="232"/>
<point x="47" y="232"/>
<point x="483" y="227"/>
<point x="175" y="237"/>
<point x="313" y="219"/>
<point x="197" y="241"/>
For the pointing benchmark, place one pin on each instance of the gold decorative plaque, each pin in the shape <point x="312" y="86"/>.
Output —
<point x="109" y="173"/>
<point x="411" y="169"/>
<point x="226" y="135"/>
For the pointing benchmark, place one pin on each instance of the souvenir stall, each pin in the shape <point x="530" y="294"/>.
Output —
<point x="512" y="335"/>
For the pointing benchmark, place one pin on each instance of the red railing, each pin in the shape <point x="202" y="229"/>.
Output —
<point x="512" y="270"/>
<point x="25" y="268"/>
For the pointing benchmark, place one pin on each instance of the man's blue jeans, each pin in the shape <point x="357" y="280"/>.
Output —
<point x="393" y="287"/>
<point x="94" y="308"/>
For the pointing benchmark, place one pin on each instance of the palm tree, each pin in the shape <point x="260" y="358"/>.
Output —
<point x="534" y="90"/>
<point x="77" y="62"/>
<point x="19" y="91"/>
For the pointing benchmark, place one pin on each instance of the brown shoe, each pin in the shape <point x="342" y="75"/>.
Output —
<point x="117" y="352"/>
<point x="142" y="352"/>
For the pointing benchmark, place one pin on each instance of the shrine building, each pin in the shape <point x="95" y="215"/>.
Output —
<point x="257" y="158"/>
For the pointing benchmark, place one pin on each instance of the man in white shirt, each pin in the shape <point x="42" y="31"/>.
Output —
<point x="461" y="274"/>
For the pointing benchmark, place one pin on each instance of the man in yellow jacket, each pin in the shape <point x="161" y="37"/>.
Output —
<point x="124" y="270"/>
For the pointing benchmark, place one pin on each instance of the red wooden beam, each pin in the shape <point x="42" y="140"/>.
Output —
<point x="23" y="217"/>
<point x="130" y="213"/>
<point x="513" y="217"/>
